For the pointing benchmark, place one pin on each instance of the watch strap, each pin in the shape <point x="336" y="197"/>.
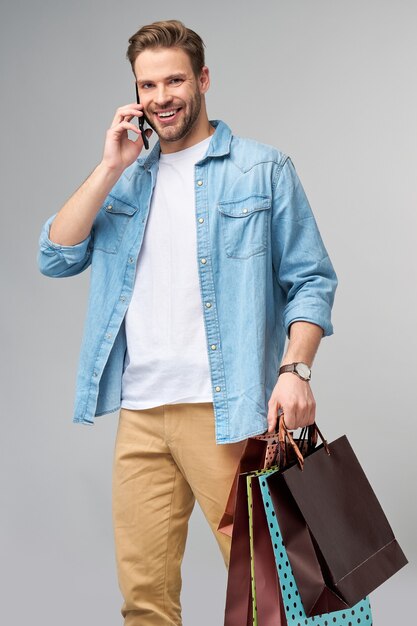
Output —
<point x="292" y="367"/>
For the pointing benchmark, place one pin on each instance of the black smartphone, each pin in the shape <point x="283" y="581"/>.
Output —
<point x="141" y="120"/>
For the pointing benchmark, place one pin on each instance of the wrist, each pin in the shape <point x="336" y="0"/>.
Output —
<point x="299" y="368"/>
<point x="109" y="173"/>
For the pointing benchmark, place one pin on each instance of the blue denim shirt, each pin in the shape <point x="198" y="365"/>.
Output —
<point x="261" y="261"/>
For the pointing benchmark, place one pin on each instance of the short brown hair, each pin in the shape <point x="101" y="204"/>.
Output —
<point x="168" y="34"/>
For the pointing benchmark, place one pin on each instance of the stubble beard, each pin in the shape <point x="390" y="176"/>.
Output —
<point x="185" y="124"/>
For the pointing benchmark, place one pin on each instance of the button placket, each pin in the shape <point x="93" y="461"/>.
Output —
<point x="207" y="292"/>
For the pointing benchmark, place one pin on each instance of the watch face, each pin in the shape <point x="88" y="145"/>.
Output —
<point x="303" y="370"/>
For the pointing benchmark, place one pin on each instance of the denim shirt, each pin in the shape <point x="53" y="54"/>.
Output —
<point x="261" y="261"/>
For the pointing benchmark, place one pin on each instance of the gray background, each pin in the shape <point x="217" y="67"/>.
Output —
<point x="332" y="84"/>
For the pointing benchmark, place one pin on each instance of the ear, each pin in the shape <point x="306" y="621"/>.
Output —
<point x="204" y="79"/>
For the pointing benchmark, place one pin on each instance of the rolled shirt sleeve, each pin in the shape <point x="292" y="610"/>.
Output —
<point x="57" y="260"/>
<point x="301" y="264"/>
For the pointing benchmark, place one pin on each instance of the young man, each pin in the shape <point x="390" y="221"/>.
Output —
<point x="205" y="254"/>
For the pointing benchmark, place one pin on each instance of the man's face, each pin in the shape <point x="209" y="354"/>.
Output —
<point x="166" y="83"/>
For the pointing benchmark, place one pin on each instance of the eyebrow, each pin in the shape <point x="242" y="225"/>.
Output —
<point x="176" y="75"/>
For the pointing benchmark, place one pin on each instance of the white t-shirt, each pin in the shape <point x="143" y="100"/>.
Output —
<point x="167" y="360"/>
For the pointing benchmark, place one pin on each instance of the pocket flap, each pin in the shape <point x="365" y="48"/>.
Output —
<point x="112" y="205"/>
<point x="244" y="206"/>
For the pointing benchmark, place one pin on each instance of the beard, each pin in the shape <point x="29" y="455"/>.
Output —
<point x="188" y="117"/>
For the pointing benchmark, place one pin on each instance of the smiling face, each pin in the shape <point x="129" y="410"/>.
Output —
<point x="172" y="97"/>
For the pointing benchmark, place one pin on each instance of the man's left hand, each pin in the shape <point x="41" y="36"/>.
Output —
<point x="294" y="396"/>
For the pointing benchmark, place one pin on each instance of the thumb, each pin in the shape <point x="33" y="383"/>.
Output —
<point x="273" y="412"/>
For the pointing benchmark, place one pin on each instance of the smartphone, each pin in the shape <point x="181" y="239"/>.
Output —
<point x="141" y="120"/>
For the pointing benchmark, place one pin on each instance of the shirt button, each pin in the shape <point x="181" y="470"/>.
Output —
<point x="131" y="259"/>
<point x="122" y="298"/>
<point x="109" y="207"/>
<point x="218" y="388"/>
<point x="201" y="220"/>
<point x="244" y="210"/>
<point x="108" y="335"/>
<point x="95" y="374"/>
<point x="213" y="346"/>
<point x="199" y="183"/>
<point x="208" y="304"/>
<point x="204" y="261"/>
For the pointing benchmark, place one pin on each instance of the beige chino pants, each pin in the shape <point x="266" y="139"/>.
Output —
<point x="165" y="458"/>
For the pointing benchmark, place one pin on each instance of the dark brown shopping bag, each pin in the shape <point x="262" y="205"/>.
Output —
<point x="270" y="608"/>
<point x="261" y="452"/>
<point x="238" y="609"/>
<point x="338" y="539"/>
<point x="268" y="602"/>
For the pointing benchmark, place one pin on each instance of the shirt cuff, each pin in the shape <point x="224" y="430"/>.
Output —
<point x="71" y="254"/>
<point x="305" y="311"/>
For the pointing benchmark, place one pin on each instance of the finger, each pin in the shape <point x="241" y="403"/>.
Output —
<point x="126" y="118"/>
<point x="312" y="413"/>
<point x="130" y="109"/>
<point x="300" y="416"/>
<point x="272" y="416"/>
<point x="291" y="421"/>
<point x="122" y="126"/>
<point x="306" y="416"/>
<point x="272" y="422"/>
<point x="148" y="133"/>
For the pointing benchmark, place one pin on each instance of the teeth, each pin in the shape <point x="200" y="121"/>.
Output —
<point x="167" y="113"/>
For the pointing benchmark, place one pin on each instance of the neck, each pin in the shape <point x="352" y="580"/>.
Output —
<point x="200" y="131"/>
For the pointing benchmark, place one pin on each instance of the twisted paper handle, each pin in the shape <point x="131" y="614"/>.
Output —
<point x="284" y="433"/>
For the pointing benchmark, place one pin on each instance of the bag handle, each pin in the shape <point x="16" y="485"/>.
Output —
<point x="284" y="433"/>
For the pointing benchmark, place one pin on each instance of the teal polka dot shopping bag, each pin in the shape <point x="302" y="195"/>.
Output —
<point x="360" y="614"/>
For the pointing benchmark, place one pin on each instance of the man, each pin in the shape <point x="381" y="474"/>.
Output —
<point x="204" y="254"/>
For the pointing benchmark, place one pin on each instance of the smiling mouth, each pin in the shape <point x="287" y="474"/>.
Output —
<point x="167" y="115"/>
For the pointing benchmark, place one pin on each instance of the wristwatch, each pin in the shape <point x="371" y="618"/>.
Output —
<point x="302" y="370"/>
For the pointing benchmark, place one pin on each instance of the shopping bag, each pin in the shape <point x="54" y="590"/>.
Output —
<point x="338" y="539"/>
<point x="295" y="614"/>
<point x="267" y="605"/>
<point x="253" y="596"/>
<point x="261" y="452"/>
<point x="238" y="607"/>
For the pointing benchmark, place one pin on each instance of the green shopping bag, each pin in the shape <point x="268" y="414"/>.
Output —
<point x="251" y="550"/>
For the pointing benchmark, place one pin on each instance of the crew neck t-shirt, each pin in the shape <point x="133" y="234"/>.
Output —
<point x="166" y="360"/>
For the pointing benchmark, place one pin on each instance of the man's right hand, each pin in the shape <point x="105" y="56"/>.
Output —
<point x="119" y="150"/>
<point x="73" y="222"/>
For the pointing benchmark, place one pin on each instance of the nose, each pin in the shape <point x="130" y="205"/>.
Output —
<point x="162" y="96"/>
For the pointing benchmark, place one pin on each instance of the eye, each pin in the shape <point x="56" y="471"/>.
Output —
<point x="176" y="79"/>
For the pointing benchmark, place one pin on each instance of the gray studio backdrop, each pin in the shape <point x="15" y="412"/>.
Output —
<point x="330" y="83"/>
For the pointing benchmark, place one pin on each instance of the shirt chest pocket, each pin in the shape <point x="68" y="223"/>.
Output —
<point x="244" y="225"/>
<point x="110" y="225"/>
